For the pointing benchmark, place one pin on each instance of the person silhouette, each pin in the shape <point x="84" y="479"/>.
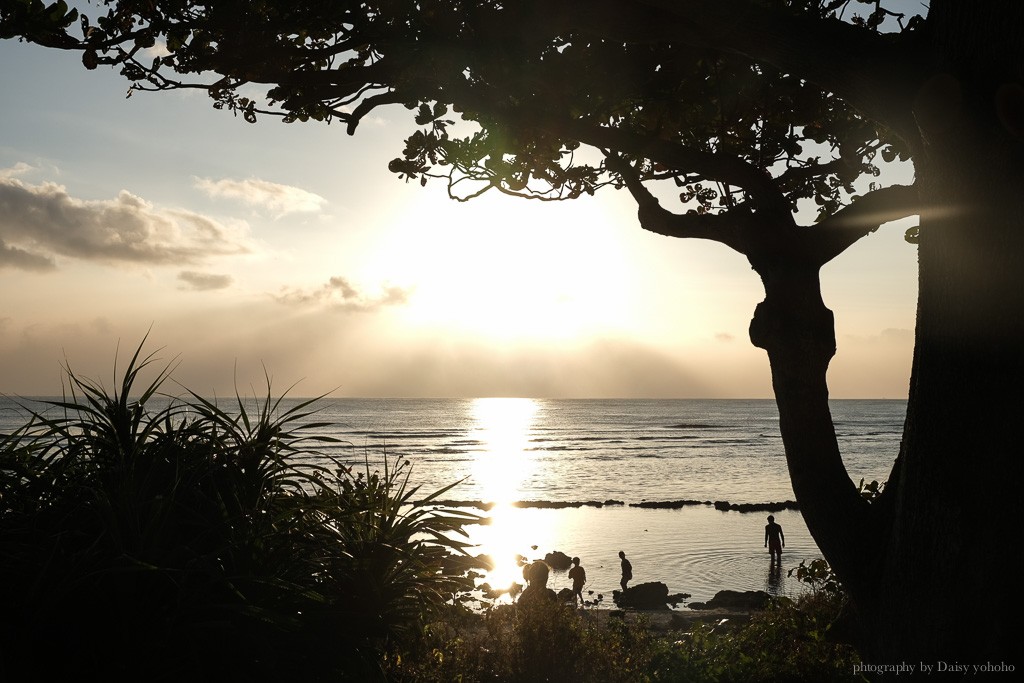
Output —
<point x="537" y="591"/>
<point x="578" y="576"/>
<point x="774" y="540"/>
<point x="627" y="571"/>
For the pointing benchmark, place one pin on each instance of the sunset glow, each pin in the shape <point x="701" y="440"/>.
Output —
<point x="292" y="248"/>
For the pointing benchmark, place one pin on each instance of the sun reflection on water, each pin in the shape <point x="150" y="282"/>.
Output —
<point x="501" y="467"/>
<point x="503" y="430"/>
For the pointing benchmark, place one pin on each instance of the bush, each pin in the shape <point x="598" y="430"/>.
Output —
<point x="783" y="643"/>
<point x="542" y="641"/>
<point x="553" y="642"/>
<point x="189" y="542"/>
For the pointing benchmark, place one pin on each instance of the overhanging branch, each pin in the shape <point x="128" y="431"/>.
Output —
<point x="836" y="234"/>
<point x="725" y="228"/>
<point x="714" y="166"/>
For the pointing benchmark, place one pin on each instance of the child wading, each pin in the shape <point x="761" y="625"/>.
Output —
<point x="578" y="575"/>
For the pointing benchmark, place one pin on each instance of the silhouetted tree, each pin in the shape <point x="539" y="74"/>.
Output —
<point x="746" y="109"/>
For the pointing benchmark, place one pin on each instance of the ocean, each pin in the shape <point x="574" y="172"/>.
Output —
<point x="596" y="461"/>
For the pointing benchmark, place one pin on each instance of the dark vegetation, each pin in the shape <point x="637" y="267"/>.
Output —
<point x="158" y="539"/>
<point x="190" y="542"/>
<point x="553" y="642"/>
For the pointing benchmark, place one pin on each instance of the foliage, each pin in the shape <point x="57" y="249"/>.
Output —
<point x="542" y="641"/>
<point x="549" y="642"/>
<point x="186" y="541"/>
<point x="784" y="643"/>
<point x="871" y="490"/>
<point x="547" y="102"/>
<point x="818" y="575"/>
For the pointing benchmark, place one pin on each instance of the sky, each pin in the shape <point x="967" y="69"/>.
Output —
<point x="290" y="251"/>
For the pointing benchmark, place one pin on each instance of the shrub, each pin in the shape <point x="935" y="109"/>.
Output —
<point x="184" y="541"/>
<point x="783" y="643"/>
<point x="542" y="641"/>
<point x="553" y="642"/>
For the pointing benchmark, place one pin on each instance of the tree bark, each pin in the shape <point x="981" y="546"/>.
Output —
<point x="954" y="541"/>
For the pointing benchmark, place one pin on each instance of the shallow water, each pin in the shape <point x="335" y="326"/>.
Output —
<point x="695" y="550"/>
<point x="506" y="450"/>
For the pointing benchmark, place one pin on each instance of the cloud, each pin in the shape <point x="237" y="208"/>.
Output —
<point x="202" y="282"/>
<point x="889" y="336"/>
<point x="897" y="334"/>
<point x="19" y="168"/>
<point x="339" y="293"/>
<point x="724" y="337"/>
<point x="12" y="257"/>
<point x="41" y="222"/>
<point x="280" y="199"/>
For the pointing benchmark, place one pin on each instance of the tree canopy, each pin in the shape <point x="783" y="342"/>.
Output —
<point x="543" y="100"/>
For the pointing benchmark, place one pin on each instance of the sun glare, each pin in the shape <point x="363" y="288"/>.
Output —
<point x="503" y="430"/>
<point x="502" y="465"/>
<point x="506" y="270"/>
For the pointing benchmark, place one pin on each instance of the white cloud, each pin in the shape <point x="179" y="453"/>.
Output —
<point x="339" y="293"/>
<point x="19" y="168"/>
<point x="280" y="199"/>
<point x="41" y="222"/>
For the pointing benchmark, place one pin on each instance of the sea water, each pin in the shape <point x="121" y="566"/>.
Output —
<point x="602" y="458"/>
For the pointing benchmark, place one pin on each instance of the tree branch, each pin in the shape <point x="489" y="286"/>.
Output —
<point x="713" y="166"/>
<point x="837" y="233"/>
<point x="729" y="228"/>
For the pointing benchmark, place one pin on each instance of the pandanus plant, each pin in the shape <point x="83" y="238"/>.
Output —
<point x="151" y="537"/>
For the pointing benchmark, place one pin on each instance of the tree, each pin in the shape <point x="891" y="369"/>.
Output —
<point x="749" y="109"/>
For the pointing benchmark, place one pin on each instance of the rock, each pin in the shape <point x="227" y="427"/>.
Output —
<point x="491" y="593"/>
<point x="677" y="598"/>
<point x="558" y="560"/>
<point x="651" y="595"/>
<point x="565" y="595"/>
<point x="725" y="505"/>
<point x="666" y="504"/>
<point x="745" y="601"/>
<point x="457" y="564"/>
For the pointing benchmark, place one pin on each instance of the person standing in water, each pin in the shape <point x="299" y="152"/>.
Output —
<point x="578" y="576"/>
<point x="627" y="571"/>
<point x="774" y="540"/>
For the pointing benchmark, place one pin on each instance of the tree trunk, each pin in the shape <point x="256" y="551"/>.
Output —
<point x="796" y="329"/>
<point x="953" y="557"/>
<point x="930" y="566"/>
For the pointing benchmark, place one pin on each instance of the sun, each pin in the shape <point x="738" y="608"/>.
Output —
<point x="511" y="270"/>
